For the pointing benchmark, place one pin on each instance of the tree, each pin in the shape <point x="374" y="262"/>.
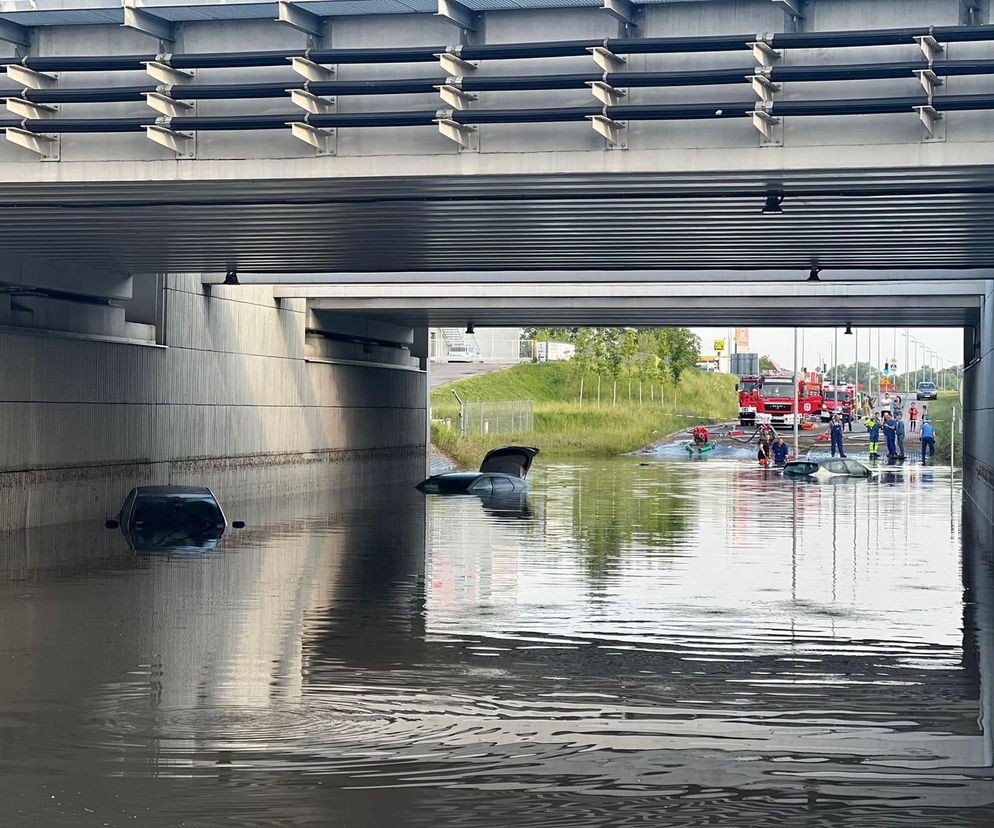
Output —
<point x="766" y="365"/>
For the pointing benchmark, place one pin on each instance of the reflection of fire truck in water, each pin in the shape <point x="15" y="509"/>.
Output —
<point x="770" y="399"/>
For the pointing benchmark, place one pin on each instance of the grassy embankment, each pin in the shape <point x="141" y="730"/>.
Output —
<point x="940" y="412"/>
<point x="563" y="427"/>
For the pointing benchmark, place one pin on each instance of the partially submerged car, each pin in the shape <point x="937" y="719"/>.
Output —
<point x="502" y="470"/>
<point x="826" y="469"/>
<point x="171" y="518"/>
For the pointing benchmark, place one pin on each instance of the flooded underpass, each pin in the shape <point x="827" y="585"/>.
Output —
<point x="661" y="641"/>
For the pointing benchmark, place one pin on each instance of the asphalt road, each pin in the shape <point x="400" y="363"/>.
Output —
<point x="442" y="373"/>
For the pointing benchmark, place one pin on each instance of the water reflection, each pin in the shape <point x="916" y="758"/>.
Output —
<point x="677" y="643"/>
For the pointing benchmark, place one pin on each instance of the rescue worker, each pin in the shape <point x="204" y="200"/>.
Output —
<point x="764" y="451"/>
<point x="836" y="431"/>
<point x="928" y="439"/>
<point x="913" y="416"/>
<point x="873" y="435"/>
<point x="847" y="415"/>
<point x="900" y="436"/>
<point x="890" y="435"/>
<point x="780" y="452"/>
<point x="701" y="435"/>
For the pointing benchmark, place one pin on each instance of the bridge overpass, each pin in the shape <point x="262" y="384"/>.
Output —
<point x="166" y="163"/>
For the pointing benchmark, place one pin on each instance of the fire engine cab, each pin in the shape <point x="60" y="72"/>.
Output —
<point x="770" y="399"/>
<point x="836" y="399"/>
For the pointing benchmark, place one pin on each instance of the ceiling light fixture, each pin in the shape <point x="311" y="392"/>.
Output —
<point x="772" y="205"/>
<point x="848" y="331"/>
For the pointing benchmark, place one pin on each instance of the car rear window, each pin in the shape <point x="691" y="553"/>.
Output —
<point x="177" y="512"/>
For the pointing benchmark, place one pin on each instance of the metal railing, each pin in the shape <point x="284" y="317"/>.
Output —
<point x="169" y="91"/>
<point x="500" y="417"/>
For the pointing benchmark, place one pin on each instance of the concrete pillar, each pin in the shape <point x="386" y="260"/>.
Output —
<point x="978" y="411"/>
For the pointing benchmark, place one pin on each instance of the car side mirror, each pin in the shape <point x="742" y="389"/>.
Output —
<point x="238" y="524"/>
<point x="111" y="524"/>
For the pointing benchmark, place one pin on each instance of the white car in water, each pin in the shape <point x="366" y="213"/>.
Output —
<point x="826" y="469"/>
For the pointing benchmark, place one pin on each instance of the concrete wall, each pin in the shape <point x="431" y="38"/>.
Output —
<point x="230" y="399"/>
<point x="978" y="420"/>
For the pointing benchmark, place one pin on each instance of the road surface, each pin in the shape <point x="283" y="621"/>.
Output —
<point x="442" y="373"/>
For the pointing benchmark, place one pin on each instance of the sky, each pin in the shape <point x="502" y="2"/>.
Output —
<point x="815" y="344"/>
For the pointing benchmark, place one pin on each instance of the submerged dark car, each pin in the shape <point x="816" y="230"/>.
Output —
<point x="502" y="470"/>
<point x="826" y="469"/>
<point x="171" y="519"/>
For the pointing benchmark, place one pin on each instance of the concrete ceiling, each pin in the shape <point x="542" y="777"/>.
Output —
<point x="921" y="304"/>
<point x="941" y="220"/>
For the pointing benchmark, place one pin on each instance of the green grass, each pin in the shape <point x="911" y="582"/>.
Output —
<point x="940" y="412"/>
<point x="562" y="427"/>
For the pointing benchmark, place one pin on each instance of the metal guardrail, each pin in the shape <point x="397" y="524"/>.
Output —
<point x="171" y="121"/>
<point x="500" y="417"/>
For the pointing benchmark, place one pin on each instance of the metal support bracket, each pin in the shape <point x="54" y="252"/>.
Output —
<point x="323" y="140"/>
<point x="451" y="94"/>
<point x="147" y="23"/>
<point x="301" y="19"/>
<point x="161" y="71"/>
<point x="46" y="146"/>
<point x="791" y="7"/>
<point x="930" y="47"/>
<point x="621" y="10"/>
<point x="605" y="93"/>
<point x="309" y="102"/>
<point x="15" y="33"/>
<point x="30" y="110"/>
<point x="607" y="60"/>
<point x="452" y="64"/>
<point x="310" y="70"/>
<point x="184" y="144"/>
<point x="770" y="127"/>
<point x="612" y="131"/>
<point x="30" y="78"/>
<point x="467" y="137"/>
<point x="167" y="105"/>
<point x="457" y="14"/>
<point x="764" y="88"/>
<point x="763" y="51"/>
<point x="934" y="123"/>
<point x="929" y="81"/>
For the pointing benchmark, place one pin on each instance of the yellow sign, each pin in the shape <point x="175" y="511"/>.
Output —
<point x="719" y="345"/>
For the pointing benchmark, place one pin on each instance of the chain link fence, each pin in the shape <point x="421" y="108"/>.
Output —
<point x="501" y="417"/>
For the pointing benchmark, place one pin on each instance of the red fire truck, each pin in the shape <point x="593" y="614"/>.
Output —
<point x="835" y="399"/>
<point x="770" y="399"/>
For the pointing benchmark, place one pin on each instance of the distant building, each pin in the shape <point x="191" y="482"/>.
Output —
<point x="494" y="344"/>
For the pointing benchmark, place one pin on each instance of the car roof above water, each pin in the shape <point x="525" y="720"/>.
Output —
<point x="177" y="491"/>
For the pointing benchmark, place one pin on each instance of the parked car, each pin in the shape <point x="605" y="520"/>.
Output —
<point x="927" y="391"/>
<point x="464" y="353"/>
<point x="826" y="469"/>
<point x="503" y="471"/>
<point x="171" y="518"/>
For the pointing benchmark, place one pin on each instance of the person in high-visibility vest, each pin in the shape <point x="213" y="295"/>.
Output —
<point x="873" y="434"/>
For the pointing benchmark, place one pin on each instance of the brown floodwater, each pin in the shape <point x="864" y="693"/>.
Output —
<point x="669" y="643"/>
